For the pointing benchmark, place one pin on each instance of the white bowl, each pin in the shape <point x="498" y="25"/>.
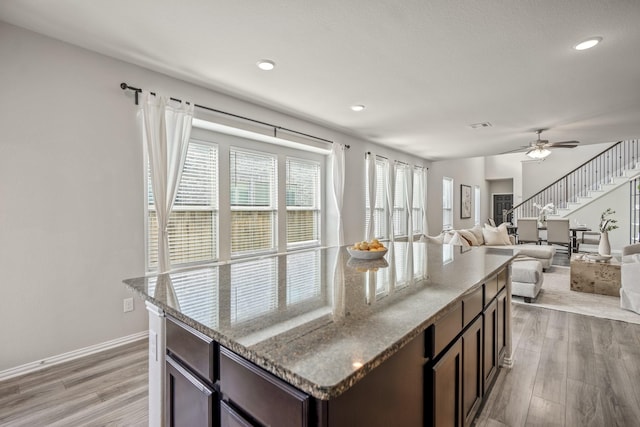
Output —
<point x="367" y="254"/>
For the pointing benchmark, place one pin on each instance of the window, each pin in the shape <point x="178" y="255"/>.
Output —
<point x="303" y="202"/>
<point x="447" y="203"/>
<point x="252" y="178"/>
<point x="476" y="204"/>
<point x="228" y="198"/>
<point x="400" y="200"/>
<point x="379" y="214"/>
<point x="193" y="224"/>
<point x="418" y="199"/>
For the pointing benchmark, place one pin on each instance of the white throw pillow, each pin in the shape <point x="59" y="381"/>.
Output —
<point x="477" y="232"/>
<point x="448" y="235"/>
<point x="458" y="240"/>
<point x="496" y="236"/>
<point x="469" y="237"/>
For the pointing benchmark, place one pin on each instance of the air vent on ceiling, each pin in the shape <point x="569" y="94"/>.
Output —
<point x="480" y="125"/>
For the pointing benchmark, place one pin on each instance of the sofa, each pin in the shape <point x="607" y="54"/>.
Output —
<point x="488" y="235"/>
<point x="629" y="274"/>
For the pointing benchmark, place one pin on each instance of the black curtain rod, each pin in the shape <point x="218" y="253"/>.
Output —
<point x="368" y="153"/>
<point x="125" y="86"/>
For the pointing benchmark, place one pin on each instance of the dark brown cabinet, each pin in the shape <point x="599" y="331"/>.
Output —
<point x="490" y="368"/>
<point x="259" y="394"/>
<point x="502" y="323"/>
<point x="472" y="353"/>
<point x="189" y="401"/>
<point x="446" y="388"/>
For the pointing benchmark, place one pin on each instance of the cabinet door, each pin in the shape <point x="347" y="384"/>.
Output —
<point x="502" y="322"/>
<point x="472" y="353"/>
<point x="189" y="402"/>
<point x="446" y="399"/>
<point x="490" y="344"/>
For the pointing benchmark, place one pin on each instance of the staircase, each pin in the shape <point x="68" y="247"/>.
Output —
<point x="614" y="167"/>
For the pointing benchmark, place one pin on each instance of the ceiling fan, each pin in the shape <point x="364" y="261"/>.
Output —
<point x="540" y="148"/>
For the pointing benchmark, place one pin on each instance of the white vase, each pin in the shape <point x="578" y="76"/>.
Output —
<point x="604" y="248"/>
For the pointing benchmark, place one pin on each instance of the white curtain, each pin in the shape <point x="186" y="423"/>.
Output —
<point x="166" y="133"/>
<point x="338" y="170"/>
<point x="371" y="181"/>
<point x="390" y="181"/>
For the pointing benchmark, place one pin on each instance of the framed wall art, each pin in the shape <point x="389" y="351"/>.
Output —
<point x="465" y="201"/>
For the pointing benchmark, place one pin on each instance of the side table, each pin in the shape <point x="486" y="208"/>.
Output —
<point x="594" y="276"/>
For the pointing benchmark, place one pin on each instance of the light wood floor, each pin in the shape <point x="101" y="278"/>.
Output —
<point x="106" y="389"/>
<point x="569" y="370"/>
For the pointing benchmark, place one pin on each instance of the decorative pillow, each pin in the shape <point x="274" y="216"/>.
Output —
<point x="469" y="237"/>
<point x="496" y="236"/>
<point x="458" y="240"/>
<point x="477" y="232"/>
<point x="448" y="235"/>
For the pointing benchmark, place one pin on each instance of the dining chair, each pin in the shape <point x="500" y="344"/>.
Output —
<point x="558" y="233"/>
<point x="528" y="230"/>
<point x="588" y="238"/>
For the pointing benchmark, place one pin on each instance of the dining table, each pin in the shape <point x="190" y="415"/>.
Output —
<point x="513" y="229"/>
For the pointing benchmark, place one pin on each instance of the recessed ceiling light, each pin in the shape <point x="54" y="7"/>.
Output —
<point x="357" y="107"/>
<point x="266" y="64"/>
<point x="588" y="44"/>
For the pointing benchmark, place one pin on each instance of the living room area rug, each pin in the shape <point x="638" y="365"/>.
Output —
<point x="556" y="294"/>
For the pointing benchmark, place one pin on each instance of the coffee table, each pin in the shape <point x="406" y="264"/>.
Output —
<point x="594" y="276"/>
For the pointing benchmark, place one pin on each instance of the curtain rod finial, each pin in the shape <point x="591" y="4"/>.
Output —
<point x="123" y="86"/>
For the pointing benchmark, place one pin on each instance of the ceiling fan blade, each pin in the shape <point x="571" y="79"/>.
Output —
<point x="515" y="150"/>
<point x="565" y="142"/>
<point x="561" y="146"/>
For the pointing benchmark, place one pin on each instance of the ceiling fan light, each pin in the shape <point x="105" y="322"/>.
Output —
<point x="539" y="153"/>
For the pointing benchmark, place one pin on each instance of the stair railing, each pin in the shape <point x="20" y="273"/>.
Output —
<point x="580" y="182"/>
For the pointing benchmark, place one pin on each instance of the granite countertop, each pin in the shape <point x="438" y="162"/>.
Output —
<point x="319" y="319"/>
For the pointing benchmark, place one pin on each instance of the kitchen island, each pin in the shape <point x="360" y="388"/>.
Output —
<point x="316" y="337"/>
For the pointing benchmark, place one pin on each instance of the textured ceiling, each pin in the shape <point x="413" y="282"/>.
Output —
<point x="425" y="70"/>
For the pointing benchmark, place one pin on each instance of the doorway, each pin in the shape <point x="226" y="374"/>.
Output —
<point x="501" y="202"/>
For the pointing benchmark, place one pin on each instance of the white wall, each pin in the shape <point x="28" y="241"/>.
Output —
<point x="469" y="171"/>
<point x="506" y="167"/>
<point x="71" y="192"/>
<point x="620" y="202"/>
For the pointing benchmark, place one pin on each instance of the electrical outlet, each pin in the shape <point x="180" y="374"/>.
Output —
<point x="128" y="304"/>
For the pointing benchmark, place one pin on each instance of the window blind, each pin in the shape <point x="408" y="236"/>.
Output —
<point x="303" y="202"/>
<point x="193" y="223"/>
<point x="379" y="214"/>
<point x="253" y="201"/>
<point x="399" y="201"/>
<point x="418" y="201"/>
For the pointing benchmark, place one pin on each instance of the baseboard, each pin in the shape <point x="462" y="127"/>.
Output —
<point x="72" y="355"/>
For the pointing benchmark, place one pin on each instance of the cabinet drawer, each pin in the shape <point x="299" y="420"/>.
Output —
<point x="230" y="418"/>
<point x="502" y="279"/>
<point x="264" y="397"/>
<point x="445" y="330"/>
<point x="490" y="290"/>
<point x="194" y="349"/>
<point x="471" y="306"/>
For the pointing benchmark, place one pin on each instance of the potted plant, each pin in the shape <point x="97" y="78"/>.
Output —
<point x="607" y="224"/>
